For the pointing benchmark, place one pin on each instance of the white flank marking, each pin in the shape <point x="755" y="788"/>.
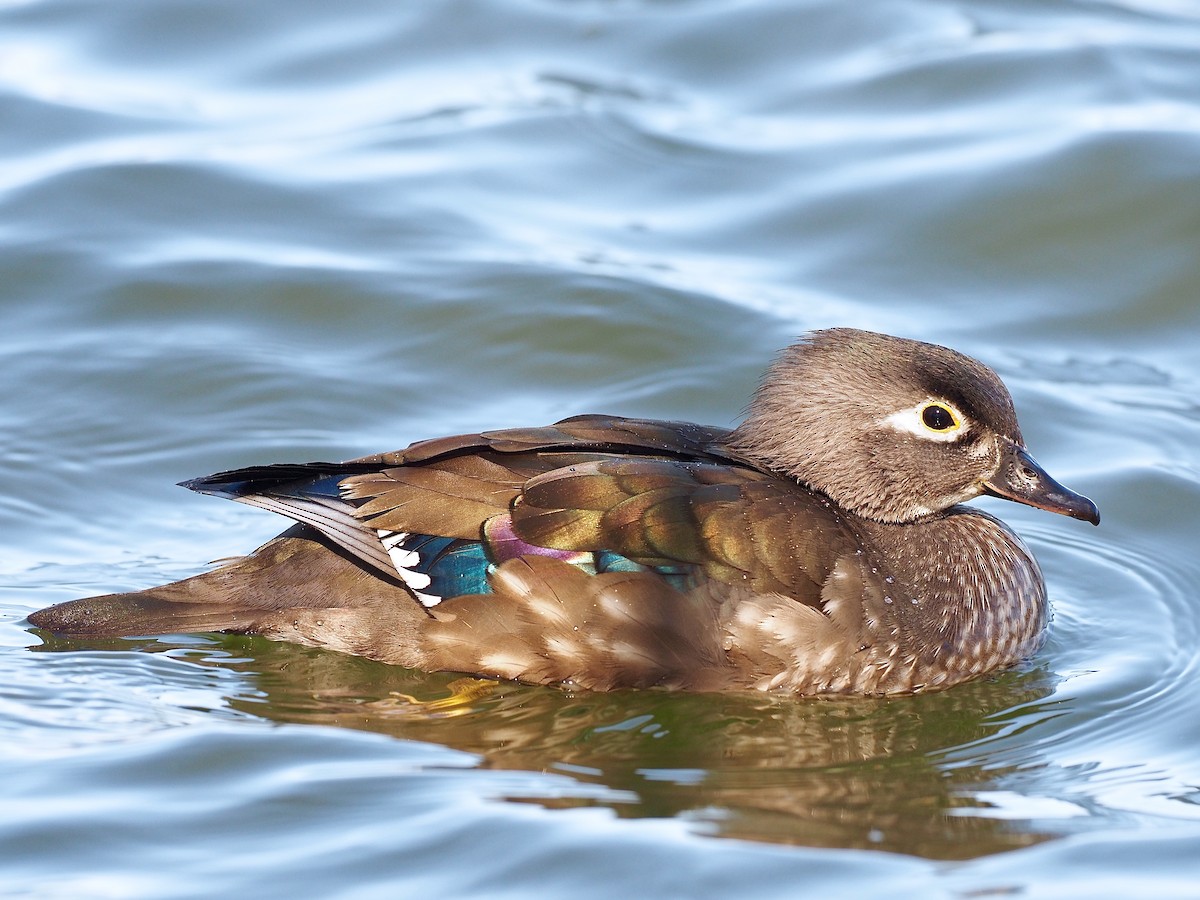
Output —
<point x="427" y="600"/>
<point x="404" y="560"/>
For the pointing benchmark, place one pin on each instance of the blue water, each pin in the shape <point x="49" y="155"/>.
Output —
<point x="245" y="233"/>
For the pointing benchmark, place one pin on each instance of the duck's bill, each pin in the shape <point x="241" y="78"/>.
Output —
<point x="1020" y="478"/>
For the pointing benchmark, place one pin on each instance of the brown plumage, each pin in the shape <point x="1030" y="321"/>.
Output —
<point x="818" y="548"/>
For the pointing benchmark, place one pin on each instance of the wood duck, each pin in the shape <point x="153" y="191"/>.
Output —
<point x="818" y="548"/>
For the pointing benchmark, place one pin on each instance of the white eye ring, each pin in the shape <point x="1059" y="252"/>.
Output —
<point x="912" y="421"/>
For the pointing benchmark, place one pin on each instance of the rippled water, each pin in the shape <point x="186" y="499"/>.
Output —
<point x="236" y="233"/>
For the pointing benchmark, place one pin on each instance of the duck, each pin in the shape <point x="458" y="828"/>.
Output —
<point x="819" y="548"/>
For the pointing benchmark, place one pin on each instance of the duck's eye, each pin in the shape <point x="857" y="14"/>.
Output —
<point x="930" y="420"/>
<point x="938" y="418"/>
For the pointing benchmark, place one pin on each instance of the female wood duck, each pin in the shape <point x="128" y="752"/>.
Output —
<point x="818" y="548"/>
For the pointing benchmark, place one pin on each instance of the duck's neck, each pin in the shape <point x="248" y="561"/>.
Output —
<point x="968" y="596"/>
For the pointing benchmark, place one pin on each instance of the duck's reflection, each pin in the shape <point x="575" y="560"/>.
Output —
<point x="899" y="775"/>
<point x="853" y="773"/>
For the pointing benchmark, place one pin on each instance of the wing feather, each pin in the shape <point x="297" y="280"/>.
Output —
<point x="659" y="493"/>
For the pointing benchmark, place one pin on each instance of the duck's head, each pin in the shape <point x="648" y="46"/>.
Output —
<point x="895" y="429"/>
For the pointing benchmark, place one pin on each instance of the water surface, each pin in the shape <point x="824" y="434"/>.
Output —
<point x="235" y="234"/>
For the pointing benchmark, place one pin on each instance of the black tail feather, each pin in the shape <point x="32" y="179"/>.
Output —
<point x="272" y="478"/>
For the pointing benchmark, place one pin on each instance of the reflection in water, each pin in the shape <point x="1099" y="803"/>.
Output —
<point x="235" y="233"/>
<point x="845" y="773"/>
